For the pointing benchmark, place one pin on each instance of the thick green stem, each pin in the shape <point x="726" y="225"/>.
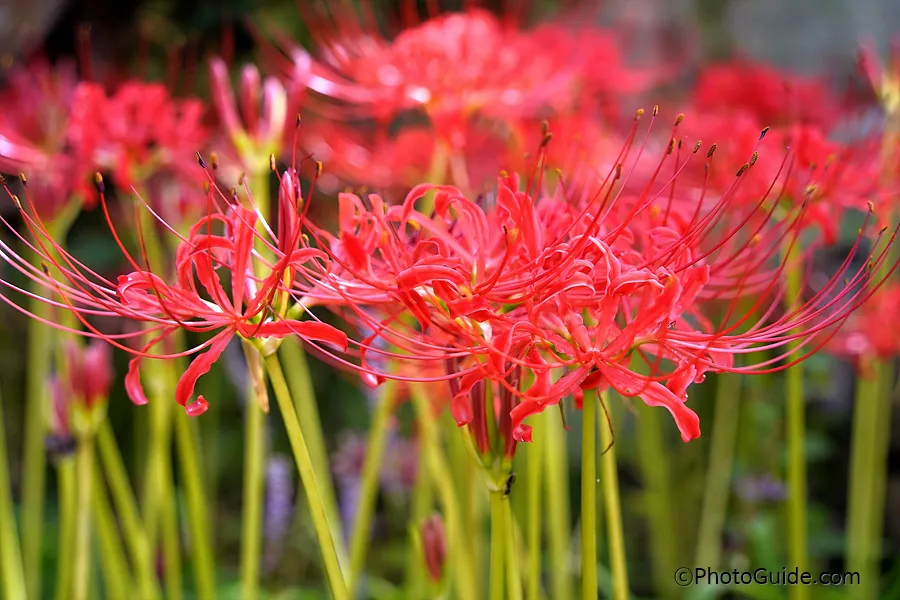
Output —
<point x="513" y="573"/>
<point x="871" y="439"/>
<point x="469" y="489"/>
<point x="433" y="459"/>
<point x="795" y="418"/>
<point x="308" y="479"/>
<point x="362" y="525"/>
<point x="67" y="500"/>
<point x="127" y="512"/>
<point x="158" y="499"/>
<point x="254" y="490"/>
<point x="589" y="496"/>
<point x="422" y="502"/>
<point x="868" y="477"/>
<point x="533" y="471"/>
<point x="171" y="542"/>
<point x="159" y="448"/>
<point x="498" y="546"/>
<point x="84" y="467"/>
<point x="304" y="396"/>
<point x="559" y="540"/>
<point x="189" y="456"/>
<point x="116" y="572"/>
<point x="611" y="502"/>
<point x="12" y="580"/>
<point x="718" y="473"/>
<point x="34" y="460"/>
<point x="655" y="468"/>
<point x="37" y="365"/>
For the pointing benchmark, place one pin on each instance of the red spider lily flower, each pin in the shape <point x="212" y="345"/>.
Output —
<point x="800" y="163"/>
<point x="451" y="66"/>
<point x="255" y="124"/>
<point x="147" y="132"/>
<point x="48" y="127"/>
<point x="772" y="96"/>
<point x="251" y="306"/>
<point x="645" y="269"/>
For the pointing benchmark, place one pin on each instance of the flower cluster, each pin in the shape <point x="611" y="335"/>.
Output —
<point x="643" y="286"/>
<point x="612" y="257"/>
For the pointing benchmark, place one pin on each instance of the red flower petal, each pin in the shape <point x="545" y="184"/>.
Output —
<point x="198" y="367"/>
<point x="133" y="383"/>
<point x="308" y="330"/>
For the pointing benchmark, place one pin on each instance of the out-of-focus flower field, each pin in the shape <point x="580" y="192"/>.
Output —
<point x="409" y="300"/>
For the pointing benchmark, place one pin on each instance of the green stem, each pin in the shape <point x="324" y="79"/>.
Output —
<point x="718" y="474"/>
<point x="589" y="496"/>
<point x="433" y="459"/>
<point x="37" y="365"/>
<point x="513" y="573"/>
<point x="559" y="541"/>
<point x="189" y="456"/>
<point x="171" y="541"/>
<point x="12" y="580"/>
<point x="308" y="478"/>
<point x="469" y="489"/>
<point x="868" y="472"/>
<point x="116" y="572"/>
<point x="254" y="490"/>
<point x="796" y="444"/>
<point x="498" y="545"/>
<point x="210" y="434"/>
<point x="362" y="525"/>
<point x="34" y="461"/>
<point x="67" y="500"/>
<point x="304" y="396"/>
<point x="159" y="442"/>
<point x="614" y="532"/>
<point x="127" y="511"/>
<point x="422" y="502"/>
<point x="84" y="466"/>
<point x="533" y="472"/>
<point x="655" y="468"/>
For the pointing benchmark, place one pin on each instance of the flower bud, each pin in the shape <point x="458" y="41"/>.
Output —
<point x="256" y="121"/>
<point x="434" y="546"/>
<point x="97" y="375"/>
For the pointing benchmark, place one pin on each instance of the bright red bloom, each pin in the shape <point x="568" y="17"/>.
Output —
<point x="145" y="131"/>
<point x="773" y="97"/>
<point x="792" y="165"/>
<point x="453" y="66"/>
<point x="249" y="305"/>
<point x="48" y="127"/>
<point x="517" y="280"/>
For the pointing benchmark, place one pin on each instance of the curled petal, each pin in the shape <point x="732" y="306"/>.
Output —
<point x="687" y="420"/>
<point x="198" y="367"/>
<point x="308" y="330"/>
<point x="133" y="383"/>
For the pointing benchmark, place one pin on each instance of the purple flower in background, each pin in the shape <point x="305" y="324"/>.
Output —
<point x="279" y="506"/>
<point x="760" y="488"/>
